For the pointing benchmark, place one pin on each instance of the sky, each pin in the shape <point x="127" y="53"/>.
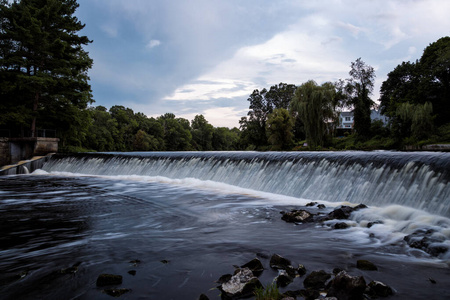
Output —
<point x="192" y="57"/>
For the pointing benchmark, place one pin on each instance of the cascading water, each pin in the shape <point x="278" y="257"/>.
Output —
<point x="173" y="223"/>
<point x="417" y="180"/>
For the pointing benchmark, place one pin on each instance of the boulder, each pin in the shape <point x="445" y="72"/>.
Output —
<point x="242" y="284"/>
<point x="283" y="279"/>
<point x="255" y="266"/>
<point x="109" y="279"/>
<point x="321" y="206"/>
<point x="298" y="216"/>
<point x="301" y="270"/>
<point x="346" y="287"/>
<point x="378" y="289"/>
<point x="316" y="280"/>
<point x="311" y="204"/>
<point x="279" y="262"/>
<point x="363" y="264"/>
<point x="343" y="212"/>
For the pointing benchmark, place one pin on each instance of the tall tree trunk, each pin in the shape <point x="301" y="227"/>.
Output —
<point x="35" y="108"/>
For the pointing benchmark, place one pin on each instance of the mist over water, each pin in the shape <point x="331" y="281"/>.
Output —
<point x="202" y="213"/>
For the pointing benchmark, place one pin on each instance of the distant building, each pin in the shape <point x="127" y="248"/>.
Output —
<point x="346" y="121"/>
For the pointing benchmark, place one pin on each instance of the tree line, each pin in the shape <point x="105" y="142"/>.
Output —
<point x="44" y="83"/>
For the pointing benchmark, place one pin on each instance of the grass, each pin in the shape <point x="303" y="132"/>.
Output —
<point x="270" y="292"/>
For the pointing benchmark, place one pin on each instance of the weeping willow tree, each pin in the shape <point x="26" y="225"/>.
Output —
<point x="415" y="120"/>
<point x="279" y="129"/>
<point x="315" y="106"/>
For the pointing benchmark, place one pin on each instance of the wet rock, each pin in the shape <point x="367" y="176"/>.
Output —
<point x="301" y="270"/>
<point x="343" y="212"/>
<point x="311" y="204"/>
<point x="310" y="294"/>
<point x="366" y="265"/>
<point x="316" y="280"/>
<point x="135" y="262"/>
<point x="370" y="224"/>
<point x="165" y="261"/>
<point x="242" y="284"/>
<point x="203" y="297"/>
<point x="378" y="289"/>
<point x="321" y="206"/>
<point x="346" y="287"/>
<point x="279" y="262"/>
<point x="255" y="266"/>
<point x="71" y="270"/>
<point x="116" y="292"/>
<point x="283" y="279"/>
<point x="109" y="279"/>
<point x="340" y="225"/>
<point x="224" y="278"/>
<point x="298" y="216"/>
<point x="427" y="241"/>
<point x="337" y="271"/>
<point x="132" y="272"/>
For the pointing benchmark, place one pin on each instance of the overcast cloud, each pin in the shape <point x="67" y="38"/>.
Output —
<point x="207" y="56"/>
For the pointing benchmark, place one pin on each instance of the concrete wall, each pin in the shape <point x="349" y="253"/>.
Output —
<point x="13" y="150"/>
<point x="5" y="154"/>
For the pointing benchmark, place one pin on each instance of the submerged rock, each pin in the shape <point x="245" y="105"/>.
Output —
<point x="346" y="287"/>
<point x="427" y="241"/>
<point x="116" y="292"/>
<point x="298" y="216"/>
<point x="363" y="264"/>
<point x="242" y="284"/>
<point x="316" y="280"/>
<point x="340" y="225"/>
<point x="109" y="279"/>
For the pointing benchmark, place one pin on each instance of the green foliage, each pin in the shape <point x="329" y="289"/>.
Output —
<point x="270" y="292"/>
<point x="356" y="93"/>
<point x="279" y="129"/>
<point x="314" y="106"/>
<point x="202" y="133"/>
<point x="43" y="67"/>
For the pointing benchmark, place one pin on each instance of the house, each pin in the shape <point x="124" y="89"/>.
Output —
<point x="346" y="121"/>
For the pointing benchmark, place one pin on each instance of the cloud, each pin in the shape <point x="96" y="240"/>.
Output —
<point x="153" y="43"/>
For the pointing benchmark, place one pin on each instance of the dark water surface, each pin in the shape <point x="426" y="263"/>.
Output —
<point x="185" y="239"/>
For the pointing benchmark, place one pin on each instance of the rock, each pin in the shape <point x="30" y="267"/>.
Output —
<point x="116" y="292"/>
<point x="370" y="224"/>
<point x="340" y="225"/>
<point x="135" y="262"/>
<point x="316" y="280"/>
<point x="426" y="241"/>
<point x="298" y="216"/>
<point x="321" y="206"/>
<point x="337" y="271"/>
<point x="72" y="270"/>
<point x="132" y="272"/>
<point x="255" y="266"/>
<point x="311" y="204"/>
<point x="240" y="285"/>
<point x="363" y="264"/>
<point x="301" y="270"/>
<point x="203" y="297"/>
<point x="346" y="287"/>
<point x="165" y="261"/>
<point x="379" y="289"/>
<point x="279" y="262"/>
<point x="109" y="279"/>
<point x="310" y="294"/>
<point x="343" y="212"/>
<point x="224" y="278"/>
<point x="283" y="279"/>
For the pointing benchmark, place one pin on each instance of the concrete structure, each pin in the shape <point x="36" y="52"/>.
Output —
<point x="13" y="150"/>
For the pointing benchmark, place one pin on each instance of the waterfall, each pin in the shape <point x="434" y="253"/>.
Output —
<point x="415" y="179"/>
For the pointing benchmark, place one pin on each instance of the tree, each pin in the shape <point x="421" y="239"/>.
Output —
<point x="279" y="129"/>
<point x="43" y="66"/>
<point x="177" y="133"/>
<point x="314" y="105"/>
<point x="202" y="133"/>
<point x="356" y="93"/>
<point x="263" y="103"/>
